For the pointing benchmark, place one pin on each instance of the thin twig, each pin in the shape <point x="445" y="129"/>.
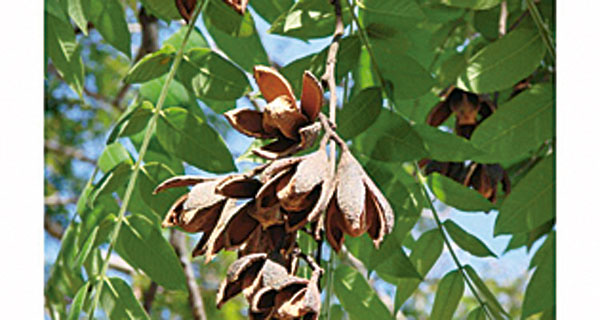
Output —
<point x="502" y="20"/>
<point x="149" y="296"/>
<point x="136" y="169"/>
<point x="177" y="240"/>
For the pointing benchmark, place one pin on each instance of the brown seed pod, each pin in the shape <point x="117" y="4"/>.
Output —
<point x="237" y="5"/>
<point x="284" y="147"/>
<point x="357" y="205"/>
<point x="241" y="274"/>
<point x="282" y="114"/>
<point x="238" y="186"/>
<point x="304" y="304"/>
<point x="186" y="8"/>
<point x="249" y="122"/>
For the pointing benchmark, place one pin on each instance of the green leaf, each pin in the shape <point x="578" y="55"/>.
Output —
<point x="467" y="241"/>
<point x="456" y="195"/>
<point x="477" y="314"/>
<point x="222" y="16"/>
<point x="111" y="181"/>
<point x="78" y="301"/>
<point x="211" y="76"/>
<point x="445" y="146"/>
<point x="493" y="305"/>
<point x="408" y="78"/>
<point x="360" y="112"/>
<point x="530" y="114"/>
<point x="165" y="10"/>
<point x="504" y="62"/>
<point x="548" y="247"/>
<point x="87" y="247"/>
<point x="118" y="301"/>
<point x="152" y="65"/>
<point x="271" y="9"/>
<point x="398" y="14"/>
<point x="366" y="305"/>
<point x="143" y="243"/>
<point x="472" y="4"/>
<point x="308" y="19"/>
<point x="195" y="40"/>
<point x="108" y="18"/>
<point x="77" y="14"/>
<point x="253" y="54"/>
<point x="531" y="203"/>
<point x="132" y="121"/>
<point x="450" y="291"/>
<point x="541" y="290"/>
<point x="152" y="175"/>
<point x="425" y="253"/>
<point x="177" y="95"/>
<point x="391" y="138"/>
<point x="113" y="155"/>
<point x="451" y="68"/>
<point x="192" y="140"/>
<point x="62" y="47"/>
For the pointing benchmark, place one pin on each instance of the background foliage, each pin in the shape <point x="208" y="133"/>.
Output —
<point x="106" y="62"/>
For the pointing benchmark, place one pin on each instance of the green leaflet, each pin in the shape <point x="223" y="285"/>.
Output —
<point x="392" y="139"/>
<point x="118" y="301"/>
<point x="271" y="9"/>
<point x="165" y="10"/>
<point x="75" y="9"/>
<point x="472" y="4"/>
<point x="467" y="241"/>
<point x="493" y="305"/>
<point x="142" y="244"/>
<point x="531" y="203"/>
<point x="191" y="139"/>
<point x="449" y="292"/>
<point x="541" y="289"/>
<point x="445" y="146"/>
<point x="425" y="253"/>
<point x="78" y="301"/>
<point x="308" y="19"/>
<point x="211" y="76"/>
<point x="222" y="16"/>
<point x="113" y="155"/>
<point x="456" y="195"/>
<point x="131" y="122"/>
<point x="152" y="65"/>
<point x="108" y="17"/>
<point x="366" y="305"/>
<point x="518" y="126"/>
<point x="360" y="112"/>
<point x="504" y="62"/>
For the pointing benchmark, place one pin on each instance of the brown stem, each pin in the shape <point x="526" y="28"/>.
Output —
<point x="149" y="296"/>
<point x="195" y="298"/>
<point x="518" y="21"/>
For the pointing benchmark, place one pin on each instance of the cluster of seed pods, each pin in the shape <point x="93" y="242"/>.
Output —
<point x="259" y="212"/>
<point x="470" y="110"/>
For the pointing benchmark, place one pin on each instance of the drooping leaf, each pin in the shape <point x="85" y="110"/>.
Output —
<point x="192" y="140"/>
<point x="196" y="39"/>
<point x="162" y="9"/>
<point x="153" y="173"/>
<point x="531" y="203"/>
<point x="456" y="195"/>
<point x="87" y="247"/>
<point x="530" y="114"/>
<point x="143" y="244"/>
<point x="77" y="305"/>
<point x="504" y="62"/>
<point x="408" y="79"/>
<point x="76" y="13"/>
<point x="360" y="112"/>
<point x="222" y="16"/>
<point x="271" y="9"/>
<point x="491" y="301"/>
<point x="425" y="253"/>
<point x="211" y="76"/>
<point x="253" y="53"/>
<point x="62" y="47"/>
<point x="390" y="261"/>
<point x="397" y="14"/>
<point x="366" y="305"/>
<point x="472" y="4"/>
<point x="541" y="289"/>
<point x="308" y="19"/>
<point x="152" y="65"/>
<point x="546" y="249"/>
<point x="445" y="146"/>
<point x="111" y="181"/>
<point x="113" y="155"/>
<point x="118" y="301"/>
<point x="450" y="291"/>
<point x="108" y="18"/>
<point x="477" y="314"/>
<point x="177" y="95"/>
<point x="391" y="139"/>
<point x="467" y="241"/>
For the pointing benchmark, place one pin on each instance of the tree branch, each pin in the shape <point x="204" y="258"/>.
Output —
<point x="55" y="147"/>
<point x="177" y="240"/>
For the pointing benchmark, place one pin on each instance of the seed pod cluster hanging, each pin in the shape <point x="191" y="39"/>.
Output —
<point x="470" y="110"/>
<point x="259" y="212"/>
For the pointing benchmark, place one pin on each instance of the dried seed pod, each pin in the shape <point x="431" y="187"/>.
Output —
<point x="311" y="99"/>
<point x="249" y="122"/>
<point x="282" y="114"/>
<point x="272" y="84"/>
<point x="275" y="293"/>
<point x="304" y="304"/>
<point x="485" y="178"/>
<point x="357" y="205"/>
<point x="241" y="274"/>
<point x="186" y="8"/>
<point x="465" y="105"/>
<point x="272" y="239"/>
<point x="284" y="147"/>
<point x="238" y="186"/>
<point x="237" y="5"/>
